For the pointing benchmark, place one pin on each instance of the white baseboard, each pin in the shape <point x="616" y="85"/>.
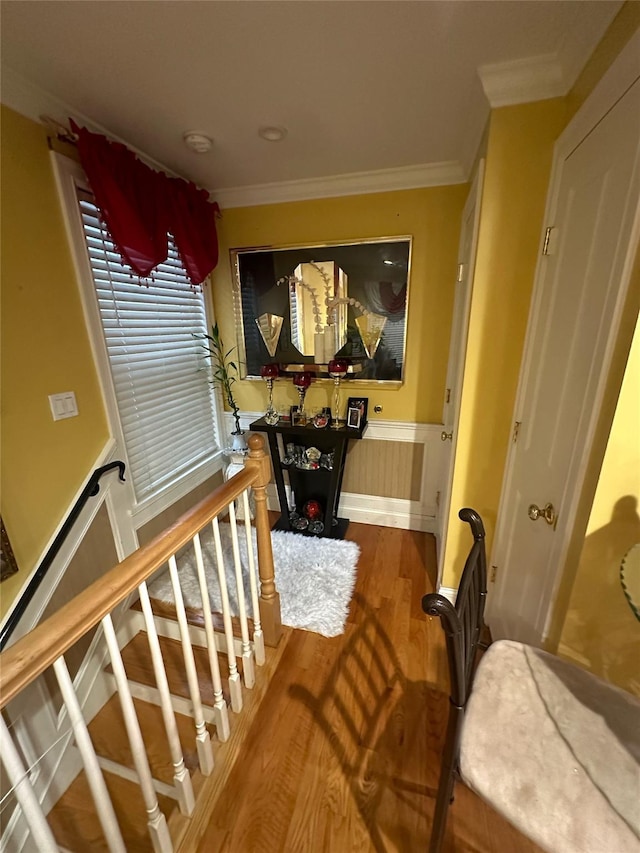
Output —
<point x="369" y="509"/>
<point x="449" y="593"/>
<point x="388" y="512"/>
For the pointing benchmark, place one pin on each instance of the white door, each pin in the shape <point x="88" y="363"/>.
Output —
<point x="457" y="350"/>
<point x="580" y="288"/>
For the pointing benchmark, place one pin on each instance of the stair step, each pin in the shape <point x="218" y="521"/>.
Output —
<point x="138" y="666"/>
<point x="74" y="819"/>
<point x="110" y="738"/>
<point x="194" y="616"/>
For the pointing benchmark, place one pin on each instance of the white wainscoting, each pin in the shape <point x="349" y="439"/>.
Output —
<point x="388" y="512"/>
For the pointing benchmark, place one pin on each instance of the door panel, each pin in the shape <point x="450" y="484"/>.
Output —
<point x="457" y="350"/>
<point x="576" y="303"/>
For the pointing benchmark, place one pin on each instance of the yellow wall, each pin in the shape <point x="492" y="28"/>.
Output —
<point x="618" y="33"/>
<point x="431" y="217"/>
<point x="45" y="350"/>
<point x="600" y="630"/>
<point x="518" y="164"/>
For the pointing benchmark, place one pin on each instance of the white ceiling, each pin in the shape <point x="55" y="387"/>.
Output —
<point x="360" y="85"/>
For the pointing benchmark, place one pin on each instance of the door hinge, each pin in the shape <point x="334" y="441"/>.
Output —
<point x="460" y="272"/>
<point x="448" y="396"/>
<point x="516" y="431"/>
<point x="437" y="498"/>
<point x="494" y="573"/>
<point x="549" y="244"/>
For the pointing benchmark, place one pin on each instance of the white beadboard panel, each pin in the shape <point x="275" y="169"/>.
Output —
<point x="417" y="514"/>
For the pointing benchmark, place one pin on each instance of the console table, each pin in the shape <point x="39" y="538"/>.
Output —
<point x="319" y="484"/>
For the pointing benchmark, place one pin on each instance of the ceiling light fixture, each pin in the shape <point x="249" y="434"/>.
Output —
<point x="272" y="134"/>
<point x="197" y="142"/>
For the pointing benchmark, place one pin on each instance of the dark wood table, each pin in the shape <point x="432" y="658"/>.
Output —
<point x="320" y="484"/>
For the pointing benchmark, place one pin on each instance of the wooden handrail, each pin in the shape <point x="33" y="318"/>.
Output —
<point x="24" y="661"/>
<point x="90" y="490"/>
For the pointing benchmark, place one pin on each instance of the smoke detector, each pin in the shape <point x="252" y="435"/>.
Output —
<point x="272" y="134"/>
<point x="197" y="142"/>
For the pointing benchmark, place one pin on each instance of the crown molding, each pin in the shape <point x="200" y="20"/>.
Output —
<point x="354" y="183"/>
<point x="523" y="80"/>
<point x="34" y="102"/>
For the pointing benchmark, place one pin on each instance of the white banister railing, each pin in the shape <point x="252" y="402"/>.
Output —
<point x="203" y="741"/>
<point x="219" y="704"/>
<point x="247" y="652"/>
<point x="181" y="777"/>
<point x="258" y="636"/>
<point x="235" y="687"/>
<point x="23" y="663"/>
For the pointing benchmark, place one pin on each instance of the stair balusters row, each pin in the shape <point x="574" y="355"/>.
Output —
<point x="102" y="605"/>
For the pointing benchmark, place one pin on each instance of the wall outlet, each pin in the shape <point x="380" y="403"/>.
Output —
<point x="63" y="405"/>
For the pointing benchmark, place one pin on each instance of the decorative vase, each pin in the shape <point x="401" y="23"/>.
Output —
<point x="238" y="442"/>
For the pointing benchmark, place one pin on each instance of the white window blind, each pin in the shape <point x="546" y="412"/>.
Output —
<point x="159" y="374"/>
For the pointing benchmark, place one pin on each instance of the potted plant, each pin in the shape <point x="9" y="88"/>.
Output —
<point x="224" y="375"/>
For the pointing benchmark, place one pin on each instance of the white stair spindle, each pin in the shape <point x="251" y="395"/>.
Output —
<point x="248" y="669"/>
<point x="156" y="821"/>
<point x="41" y="834"/>
<point x="235" y="686"/>
<point x="104" y="806"/>
<point x="181" y="777"/>
<point x="203" y="741"/>
<point x="220" y="706"/>
<point x="258" y="636"/>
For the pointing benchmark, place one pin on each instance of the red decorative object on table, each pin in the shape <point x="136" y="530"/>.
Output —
<point x="312" y="509"/>
<point x="302" y="380"/>
<point x="269" y="372"/>
<point x="337" y="368"/>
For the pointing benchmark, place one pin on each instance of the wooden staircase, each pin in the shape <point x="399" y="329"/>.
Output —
<point x="74" y="818"/>
<point x="160" y="727"/>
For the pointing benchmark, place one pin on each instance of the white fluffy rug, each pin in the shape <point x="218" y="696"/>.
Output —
<point x="315" y="578"/>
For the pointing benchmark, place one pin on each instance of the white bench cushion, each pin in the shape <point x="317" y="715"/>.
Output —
<point x="555" y="750"/>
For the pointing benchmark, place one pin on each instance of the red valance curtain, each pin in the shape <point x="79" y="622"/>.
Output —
<point x="393" y="302"/>
<point x="140" y="206"/>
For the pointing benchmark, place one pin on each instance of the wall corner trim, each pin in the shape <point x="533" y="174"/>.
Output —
<point x="520" y="81"/>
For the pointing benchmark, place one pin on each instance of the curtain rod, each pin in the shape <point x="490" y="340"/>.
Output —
<point x="64" y="134"/>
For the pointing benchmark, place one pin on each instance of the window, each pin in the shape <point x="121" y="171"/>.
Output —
<point x="165" y="401"/>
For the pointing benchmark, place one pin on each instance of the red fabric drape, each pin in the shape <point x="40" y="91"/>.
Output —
<point x="392" y="302"/>
<point x="193" y="225"/>
<point x="140" y="206"/>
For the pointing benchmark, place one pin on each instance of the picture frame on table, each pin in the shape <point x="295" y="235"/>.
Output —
<point x="357" y="412"/>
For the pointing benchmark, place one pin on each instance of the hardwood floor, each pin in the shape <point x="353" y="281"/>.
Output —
<point x="337" y="749"/>
<point x="344" y="752"/>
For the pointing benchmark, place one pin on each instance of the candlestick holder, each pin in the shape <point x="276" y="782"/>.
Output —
<point x="337" y="368"/>
<point x="269" y="372"/>
<point x="302" y="380"/>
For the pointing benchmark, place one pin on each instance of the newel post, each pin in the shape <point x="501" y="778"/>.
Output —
<point x="269" y="595"/>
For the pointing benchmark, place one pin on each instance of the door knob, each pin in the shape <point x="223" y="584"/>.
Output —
<point x="547" y="512"/>
<point x="446" y="436"/>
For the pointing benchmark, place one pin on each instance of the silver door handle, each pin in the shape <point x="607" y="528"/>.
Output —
<point x="547" y="512"/>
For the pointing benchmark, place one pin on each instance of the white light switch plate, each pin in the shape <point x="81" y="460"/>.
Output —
<point x="63" y="405"/>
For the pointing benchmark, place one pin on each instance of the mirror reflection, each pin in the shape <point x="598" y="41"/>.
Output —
<point x="318" y="309"/>
<point x="345" y="301"/>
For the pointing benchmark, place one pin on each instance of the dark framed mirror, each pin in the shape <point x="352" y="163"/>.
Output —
<point x="303" y="305"/>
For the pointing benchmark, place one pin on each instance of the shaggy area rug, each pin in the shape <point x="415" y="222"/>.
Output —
<point x="315" y="578"/>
